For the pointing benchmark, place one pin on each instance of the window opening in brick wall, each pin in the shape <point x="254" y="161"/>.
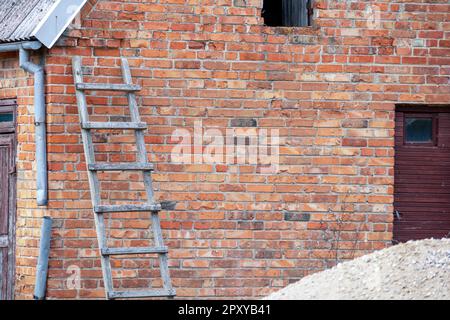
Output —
<point x="7" y="115"/>
<point x="287" y="13"/>
<point x="420" y="129"/>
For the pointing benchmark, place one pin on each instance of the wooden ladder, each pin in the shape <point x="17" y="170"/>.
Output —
<point x="141" y="165"/>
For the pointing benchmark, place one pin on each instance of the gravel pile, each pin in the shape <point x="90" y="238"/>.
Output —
<point x="413" y="270"/>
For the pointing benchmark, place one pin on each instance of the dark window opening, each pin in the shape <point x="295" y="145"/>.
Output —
<point x="287" y="13"/>
<point x="6" y="117"/>
<point x="420" y="129"/>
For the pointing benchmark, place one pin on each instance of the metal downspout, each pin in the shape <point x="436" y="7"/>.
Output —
<point x="39" y="110"/>
<point x="39" y="122"/>
<point x="42" y="265"/>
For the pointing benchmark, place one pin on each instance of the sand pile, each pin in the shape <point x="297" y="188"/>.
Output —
<point x="414" y="270"/>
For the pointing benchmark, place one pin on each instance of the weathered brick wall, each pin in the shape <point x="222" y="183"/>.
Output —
<point x="330" y="90"/>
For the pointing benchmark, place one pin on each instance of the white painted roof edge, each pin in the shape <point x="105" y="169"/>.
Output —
<point x="44" y="31"/>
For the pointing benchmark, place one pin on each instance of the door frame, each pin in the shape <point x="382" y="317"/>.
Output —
<point x="10" y="105"/>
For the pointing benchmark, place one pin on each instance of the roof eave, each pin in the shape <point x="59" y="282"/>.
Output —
<point x="56" y="21"/>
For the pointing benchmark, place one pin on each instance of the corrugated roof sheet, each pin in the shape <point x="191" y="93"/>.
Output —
<point x="19" y="18"/>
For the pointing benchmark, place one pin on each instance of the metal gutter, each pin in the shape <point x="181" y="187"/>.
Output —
<point x="16" y="46"/>
<point x="39" y="112"/>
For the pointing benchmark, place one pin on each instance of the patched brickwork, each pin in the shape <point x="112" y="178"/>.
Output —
<point x="232" y="230"/>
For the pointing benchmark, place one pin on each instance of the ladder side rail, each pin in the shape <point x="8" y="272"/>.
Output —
<point x="85" y="134"/>
<point x="142" y="154"/>
<point x="140" y="141"/>
<point x="163" y="261"/>
<point x="92" y="177"/>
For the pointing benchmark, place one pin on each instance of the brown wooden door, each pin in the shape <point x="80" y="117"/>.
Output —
<point x="6" y="214"/>
<point x="422" y="173"/>
<point x="7" y="198"/>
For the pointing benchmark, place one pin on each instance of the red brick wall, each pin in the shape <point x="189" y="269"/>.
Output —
<point x="330" y="90"/>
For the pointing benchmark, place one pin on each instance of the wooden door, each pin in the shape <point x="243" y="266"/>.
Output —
<point x="7" y="199"/>
<point x="422" y="173"/>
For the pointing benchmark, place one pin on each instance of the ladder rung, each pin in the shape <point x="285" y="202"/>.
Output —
<point x="114" y="125"/>
<point x="128" y="208"/>
<point x="108" y="87"/>
<point x="142" y="294"/>
<point x="133" y="250"/>
<point x="121" y="166"/>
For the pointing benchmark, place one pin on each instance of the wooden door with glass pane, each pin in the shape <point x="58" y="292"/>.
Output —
<point x="7" y="198"/>
<point x="422" y="173"/>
